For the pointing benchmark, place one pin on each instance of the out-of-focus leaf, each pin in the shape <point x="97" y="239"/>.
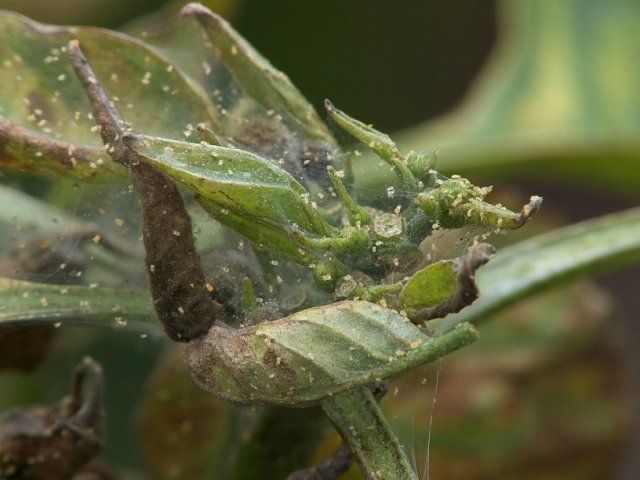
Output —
<point x="45" y="120"/>
<point x="23" y="303"/>
<point x="79" y="12"/>
<point x="314" y="353"/>
<point x="558" y="98"/>
<point x="247" y="192"/>
<point x="148" y="26"/>
<point x="40" y="243"/>
<point x="430" y="286"/>
<point x="28" y="213"/>
<point x="593" y="246"/>
<point x="281" y="440"/>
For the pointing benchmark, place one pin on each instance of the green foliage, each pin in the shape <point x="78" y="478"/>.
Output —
<point x="430" y="286"/>
<point x="268" y="86"/>
<point x="31" y="303"/>
<point x="256" y="157"/>
<point x="360" y="421"/>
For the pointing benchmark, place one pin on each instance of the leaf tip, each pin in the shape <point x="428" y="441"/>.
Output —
<point x="75" y="52"/>
<point x="328" y="105"/>
<point x="478" y="255"/>
<point x="198" y="11"/>
<point x="529" y="210"/>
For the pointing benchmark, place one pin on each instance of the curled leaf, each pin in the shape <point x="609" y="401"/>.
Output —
<point x="314" y="353"/>
<point x="178" y="284"/>
<point x="53" y="443"/>
<point x="445" y="287"/>
<point x="255" y="106"/>
<point x="380" y="143"/>
<point x="430" y="286"/>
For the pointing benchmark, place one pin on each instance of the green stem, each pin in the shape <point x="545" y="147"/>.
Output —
<point x="355" y="212"/>
<point x="374" y="293"/>
<point x="358" y="418"/>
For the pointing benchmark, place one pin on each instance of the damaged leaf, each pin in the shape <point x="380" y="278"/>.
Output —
<point x="456" y="203"/>
<point x="314" y="353"/>
<point x="54" y="443"/>
<point x="445" y="287"/>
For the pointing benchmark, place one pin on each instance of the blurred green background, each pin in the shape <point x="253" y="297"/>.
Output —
<point x="537" y="97"/>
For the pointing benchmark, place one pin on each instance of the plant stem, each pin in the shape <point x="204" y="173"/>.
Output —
<point x="358" y="418"/>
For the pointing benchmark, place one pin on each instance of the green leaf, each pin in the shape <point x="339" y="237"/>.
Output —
<point x="23" y="303"/>
<point x="315" y="353"/>
<point x="28" y="213"/>
<point x="36" y="238"/>
<point x="239" y="189"/>
<point x="378" y="142"/>
<point x="430" y="286"/>
<point x="594" y="246"/>
<point x="45" y="121"/>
